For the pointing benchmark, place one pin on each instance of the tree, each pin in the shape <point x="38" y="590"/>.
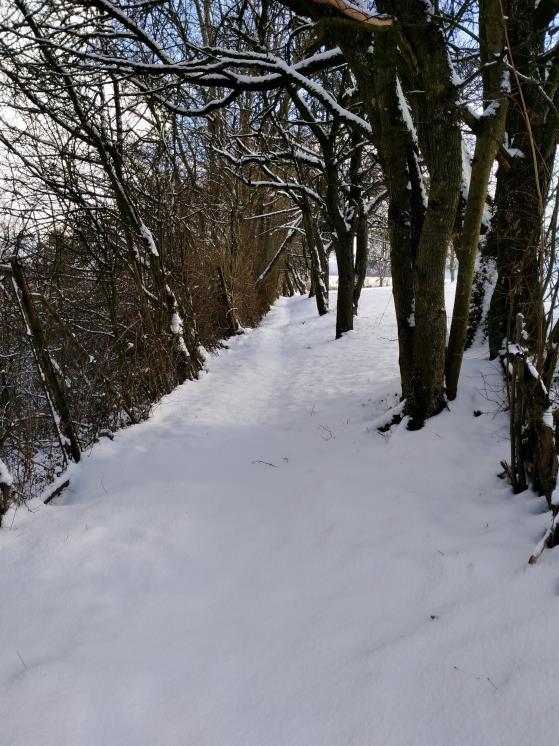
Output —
<point x="517" y="238"/>
<point x="489" y="130"/>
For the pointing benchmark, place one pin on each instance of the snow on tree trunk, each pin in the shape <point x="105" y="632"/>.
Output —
<point x="6" y="482"/>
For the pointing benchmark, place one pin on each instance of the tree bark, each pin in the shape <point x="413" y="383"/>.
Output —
<point x="532" y="128"/>
<point x="233" y="326"/>
<point x="361" y="256"/>
<point x="376" y="76"/>
<point x="53" y="385"/>
<point x="489" y="139"/>
<point x="318" y="261"/>
<point x="344" y="304"/>
<point x="343" y="246"/>
<point x="517" y="233"/>
<point x="441" y="143"/>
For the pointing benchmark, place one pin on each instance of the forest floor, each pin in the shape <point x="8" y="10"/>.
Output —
<point x="257" y="565"/>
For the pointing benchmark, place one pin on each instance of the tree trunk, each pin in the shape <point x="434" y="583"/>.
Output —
<point x="54" y="387"/>
<point x="318" y="260"/>
<point x="361" y="256"/>
<point x="489" y="139"/>
<point x="343" y="246"/>
<point x="344" y="305"/>
<point x="532" y="127"/>
<point x="440" y="140"/>
<point x="428" y="70"/>
<point x="430" y="315"/>
<point x="482" y="289"/>
<point x="376" y="77"/>
<point x="233" y="326"/>
<point x="296" y="278"/>
<point x="517" y="233"/>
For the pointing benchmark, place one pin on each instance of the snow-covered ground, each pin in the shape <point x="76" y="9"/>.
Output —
<point x="370" y="282"/>
<point x="258" y="566"/>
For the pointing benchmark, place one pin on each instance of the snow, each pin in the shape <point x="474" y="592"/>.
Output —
<point x="147" y="236"/>
<point x="532" y="369"/>
<point x="5" y="476"/>
<point x="361" y="5"/>
<point x="258" y="565"/>
<point x="429" y="8"/>
<point x="455" y="79"/>
<point x="514" y="152"/>
<point x="371" y="281"/>
<point x="405" y="111"/>
<point x="491" y="109"/>
<point x="176" y="323"/>
<point x="466" y="171"/>
<point x="516" y="350"/>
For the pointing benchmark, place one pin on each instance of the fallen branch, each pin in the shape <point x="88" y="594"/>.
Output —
<point x="56" y="491"/>
<point x="547" y="540"/>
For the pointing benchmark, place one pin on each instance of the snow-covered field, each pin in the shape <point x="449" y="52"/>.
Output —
<point x="258" y="566"/>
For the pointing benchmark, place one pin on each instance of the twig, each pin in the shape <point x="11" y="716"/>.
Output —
<point x="23" y="663"/>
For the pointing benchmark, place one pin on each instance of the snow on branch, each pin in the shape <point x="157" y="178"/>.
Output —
<point x="293" y="229"/>
<point x="6" y="478"/>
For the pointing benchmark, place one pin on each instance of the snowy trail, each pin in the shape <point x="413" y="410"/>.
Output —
<point x="258" y="566"/>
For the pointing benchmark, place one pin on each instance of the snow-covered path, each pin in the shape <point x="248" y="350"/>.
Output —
<point x="258" y="566"/>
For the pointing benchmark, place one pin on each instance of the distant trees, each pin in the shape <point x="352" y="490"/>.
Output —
<point x="318" y="161"/>
<point x="379" y="256"/>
